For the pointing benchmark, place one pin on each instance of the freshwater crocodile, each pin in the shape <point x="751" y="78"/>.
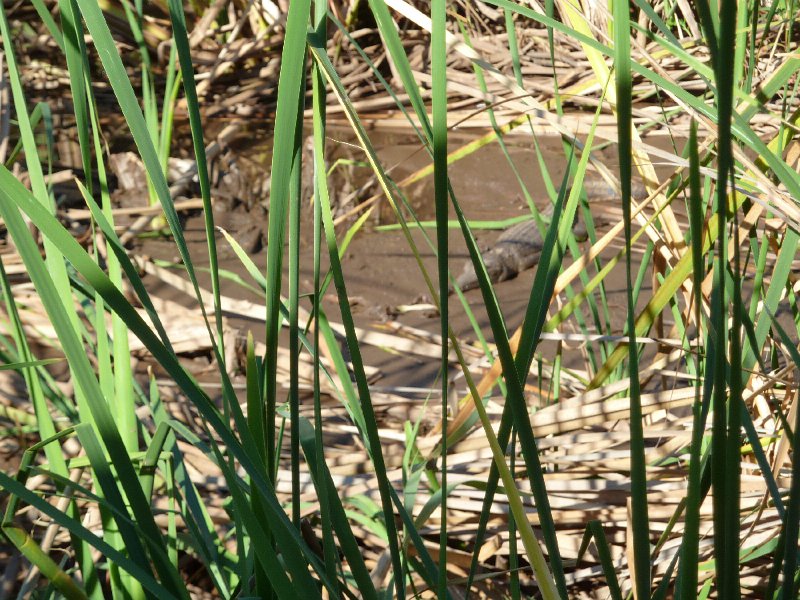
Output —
<point x="518" y="247"/>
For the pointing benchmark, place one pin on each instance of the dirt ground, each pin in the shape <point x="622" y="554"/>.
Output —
<point x="381" y="273"/>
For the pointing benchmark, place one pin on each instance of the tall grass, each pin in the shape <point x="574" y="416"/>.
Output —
<point x="281" y="539"/>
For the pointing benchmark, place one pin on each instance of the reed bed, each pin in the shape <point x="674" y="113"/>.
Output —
<point x="629" y="432"/>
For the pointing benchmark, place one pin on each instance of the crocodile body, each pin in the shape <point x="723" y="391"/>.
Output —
<point x="518" y="247"/>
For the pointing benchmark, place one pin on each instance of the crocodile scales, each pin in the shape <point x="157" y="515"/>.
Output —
<point x="518" y="247"/>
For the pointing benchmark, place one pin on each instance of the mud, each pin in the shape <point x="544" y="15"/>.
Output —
<point x="381" y="273"/>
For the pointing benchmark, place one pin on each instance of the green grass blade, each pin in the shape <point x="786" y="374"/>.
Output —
<point x="790" y="532"/>
<point x="109" y="486"/>
<point x="181" y="41"/>
<point x="18" y="490"/>
<point x="11" y="193"/>
<point x="687" y="571"/>
<point x="326" y="499"/>
<point x="441" y="182"/>
<point x="727" y="420"/>
<point x="290" y="87"/>
<point x="54" y="574"/>
<point x="515" y="399"/>
<point x="76" y="57"/>
<point x="126" y="264"/>
<point x="295" y="202"/>
<point x="371" y="431"/>
<point x="594" y="529"/>
<point x="387" y="493"/>
<point x="349" y="544"/>
<point x="123" y="90"/>
<point x="640" y="524"/>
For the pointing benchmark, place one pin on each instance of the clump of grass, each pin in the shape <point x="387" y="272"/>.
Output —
<point x="641" y="453"/>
